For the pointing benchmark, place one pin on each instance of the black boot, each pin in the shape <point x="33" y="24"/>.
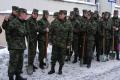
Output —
<point x="18" y="77"/>
<point x="89" y="63"/>
<point x="34" y="68"/>
<point x="11" y="77"/>
<point x="117" y="56"/>
<point x="60" y="70"/>
<point x="98" y="59"/>
<point x="41" y="66"/>
<point x="52" y="70"/>
<point x="75" y="60"/>
<point x="44" y="64"/>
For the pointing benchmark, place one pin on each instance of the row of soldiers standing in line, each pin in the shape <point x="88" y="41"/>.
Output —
<point x="83" y="33"/>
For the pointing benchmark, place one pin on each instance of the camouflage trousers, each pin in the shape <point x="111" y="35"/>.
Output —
<point x="32" y="45"/>
<point x="15" y="62"/>
<point x="58" y="54"/>
<point x="41" y="47"/>
<point x="89" y="51"/>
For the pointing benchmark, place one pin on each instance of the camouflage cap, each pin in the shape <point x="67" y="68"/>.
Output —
<point x="72" y="13"/>
<point x="15" y="8"/>
<point x="56" y="14"/>
<point x="62" y="12"/>
<point x="75" y="9"/>
<point x="107" y="13"/>
<point x="115" y="11"/>
<point x="96" y="12"/>
<point x="35" y="11"/>
<point x="45" y="12"/>
<point x="84" y="10"/>
<point x="22" y="10"/>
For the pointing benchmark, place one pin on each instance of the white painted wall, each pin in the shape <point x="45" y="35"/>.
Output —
<point x="50" y="5"/>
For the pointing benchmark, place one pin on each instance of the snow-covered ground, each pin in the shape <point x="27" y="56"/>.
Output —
<point x="99" y="71"/>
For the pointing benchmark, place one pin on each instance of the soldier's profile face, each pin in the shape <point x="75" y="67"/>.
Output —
<point x="77" y="12"/>
<point x="46" y="16"/>
<point x="34" y="15"/>
<point x="61" y="16"/>
<point x="23" y="16"/>
<point x="115" y="14"/>
<point x="106" y="16"/>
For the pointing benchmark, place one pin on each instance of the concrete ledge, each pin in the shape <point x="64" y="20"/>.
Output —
<point x="117" y="6"/>
<point x="80" y="2"/>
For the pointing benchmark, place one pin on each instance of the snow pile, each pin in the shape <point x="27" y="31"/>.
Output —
<point x="99" y="71"/>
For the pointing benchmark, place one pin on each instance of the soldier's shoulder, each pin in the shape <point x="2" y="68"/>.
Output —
<point x="14" y="21"/>
<point x="54" y="22"/>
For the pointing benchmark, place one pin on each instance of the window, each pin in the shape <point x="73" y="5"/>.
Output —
<point x="88" y="0"/>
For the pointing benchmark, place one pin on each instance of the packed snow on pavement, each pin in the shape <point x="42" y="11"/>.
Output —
<point x="99" y="70"/>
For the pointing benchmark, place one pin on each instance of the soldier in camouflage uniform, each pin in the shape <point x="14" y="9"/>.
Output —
<point x="59" y="30"/>
<point x="89" y="29"/>
<point x="32" y="38"/>
<point x="97" y="35"/>
<point x="43" y="28"/>
<point x="105" y="33"/>
<point x="76" y="33"/>
<point x="17" y="31"/>
<point x="7" y="20"/>
<point x="116" y="29"/>
<point x="81" y="36"/>
<point x="69" y="51"/>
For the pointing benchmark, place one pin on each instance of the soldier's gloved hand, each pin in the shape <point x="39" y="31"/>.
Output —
<point x="47" y="29"/>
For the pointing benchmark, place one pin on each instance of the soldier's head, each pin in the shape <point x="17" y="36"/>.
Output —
<point x="45" y="14"/>
<point x="35" y="13"/>
<point x="84" y="13"/>
<point x="55" y="14"/>
<point x="76" y="10"/>
<point x="115" y="13"/>
<point x="96" y="15"/>
<point x="61" y="15"/>
<point x="72" y="14"/>
<point x="107" y="15"/>
<point x="15" y="10"/>
<point x="89" y="15"/>
<point x="22" y="14"/>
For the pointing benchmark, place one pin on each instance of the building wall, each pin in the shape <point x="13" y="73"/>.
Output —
<point x="50" y="5"/>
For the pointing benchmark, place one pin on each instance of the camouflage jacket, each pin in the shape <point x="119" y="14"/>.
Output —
<point x="105" y="28"/>
<point x="5" y="26"/>
<point x="17" y="29"/>
<point x="32" y="28"/>
<point x="61" y="33"/>
<point x="42" y="24"/>
<point x="90" y="28"/>
<point x="76" y="24"/>
<point x="116" y="23"/>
